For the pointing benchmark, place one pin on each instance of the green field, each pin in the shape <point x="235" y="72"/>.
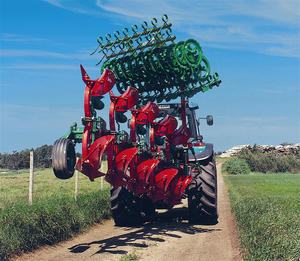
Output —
<point x="14" y="185"/>
<point x="267" y="210"/>
<point x="54" y="216"/>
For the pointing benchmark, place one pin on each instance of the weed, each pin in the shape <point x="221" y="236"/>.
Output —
<point x="130" y="257"/>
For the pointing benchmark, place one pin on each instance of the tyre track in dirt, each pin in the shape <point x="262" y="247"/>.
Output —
<point x="171" y="237"/>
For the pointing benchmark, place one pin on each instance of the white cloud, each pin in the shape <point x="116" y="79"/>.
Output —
<point x="43" y="66"/>
<point x="270" y="27"/>
<point x="19" y="38"/>
<point x="30" y="53"/>
<point x="4" y="84"/>
<point x="82" y="55"/>
<point x="54" y="2"/>
<point x="263" y="26"/>
<point x="73" y="6"/>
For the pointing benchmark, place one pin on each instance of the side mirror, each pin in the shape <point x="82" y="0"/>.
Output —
<point x="209" y="120"/>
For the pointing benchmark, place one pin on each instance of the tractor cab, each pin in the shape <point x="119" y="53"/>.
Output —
<point x="174" y="109"/>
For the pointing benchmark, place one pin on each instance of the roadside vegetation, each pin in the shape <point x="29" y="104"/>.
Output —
<point x="267" y="211"/>
<point x="266" y="207"/>
<point x="15" y="184"/>
<point x="130" y="257"/>
<point x="49" y="221"/>
<point x="256" y="160"/>
<point x="54" y="215"/>
<point x="236" y="166"/>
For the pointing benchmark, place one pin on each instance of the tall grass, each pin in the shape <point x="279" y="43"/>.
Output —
<point x="267" y="210"/>
<point x="54" y="215"/>
<point x="14" y="185"/>
<point x="49" y="220"/>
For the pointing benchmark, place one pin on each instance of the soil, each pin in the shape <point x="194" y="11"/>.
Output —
<point x="170" y="237"/>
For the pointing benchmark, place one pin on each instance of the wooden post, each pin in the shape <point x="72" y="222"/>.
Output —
<point x="102" y="178"/>
<point x="31" y="179"/>
<point x="102" y="181"/>
<point x="76" y="184"/>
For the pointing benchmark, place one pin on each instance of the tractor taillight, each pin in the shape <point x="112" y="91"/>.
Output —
<point x="198" y="144"/>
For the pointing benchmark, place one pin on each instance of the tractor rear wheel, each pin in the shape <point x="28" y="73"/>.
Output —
<point x="63" y="158"/>
<point x="128" y="210"/>
<point x="202" y="193"/>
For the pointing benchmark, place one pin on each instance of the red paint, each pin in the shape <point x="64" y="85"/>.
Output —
<point x="126" y="100"/>
<point x="147" y="114"/>
<point x="166" y="126"/>
<point x="100" y="86"/>
<point x="144" y="173"/>
<point x="125" y="164"/>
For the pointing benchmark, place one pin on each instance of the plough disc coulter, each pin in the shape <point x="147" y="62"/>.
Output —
<point x="158" y="160"/>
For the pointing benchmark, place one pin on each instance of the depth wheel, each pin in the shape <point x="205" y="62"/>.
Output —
<point x="202" y="194"/>
<point x="63" y="158"/>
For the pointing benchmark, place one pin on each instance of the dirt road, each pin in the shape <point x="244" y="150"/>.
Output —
<point x="170" y="238"/>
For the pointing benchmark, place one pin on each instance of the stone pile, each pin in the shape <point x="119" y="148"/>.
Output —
<point x="280" y="149"/>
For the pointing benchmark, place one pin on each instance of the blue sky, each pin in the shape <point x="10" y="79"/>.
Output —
<point x="253" y="45"/>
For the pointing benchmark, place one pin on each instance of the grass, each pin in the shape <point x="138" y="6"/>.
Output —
<point x="49" y="221"/>
<point x="130" y="257"/>
<point x="15" y="184"/>
<point x="267" y="210"/>
<point x="54" y="215"/>
<point x="220" y="160"/>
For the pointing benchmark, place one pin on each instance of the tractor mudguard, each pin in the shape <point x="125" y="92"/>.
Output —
<point x="202" y="153"/>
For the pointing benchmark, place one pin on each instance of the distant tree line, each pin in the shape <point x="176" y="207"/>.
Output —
<point x="20" y="160"/>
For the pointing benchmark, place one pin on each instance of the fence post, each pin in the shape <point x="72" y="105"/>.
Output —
<point x="76" y="182"/>
<point x="31" y="179"/>
<point x="102" y="178"/>
<point x="102" y="181"/>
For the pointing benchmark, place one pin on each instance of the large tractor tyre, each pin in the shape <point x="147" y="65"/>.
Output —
<point x="63" y="158"/>
<point x="202" y="194"/>
<point x="128" y="210"/>
<point x="147" y="208"/>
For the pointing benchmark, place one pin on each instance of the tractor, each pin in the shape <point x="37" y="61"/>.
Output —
<point x="154" y="151"/>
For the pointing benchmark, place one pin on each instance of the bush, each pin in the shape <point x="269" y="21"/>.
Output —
<point x="48" y="221"/>
<point x="236" y="166"/>
<point x="259" y="161"/>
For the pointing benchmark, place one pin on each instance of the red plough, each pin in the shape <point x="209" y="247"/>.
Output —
<point x="159" y="183"/>
<point x="158" y="157"/>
